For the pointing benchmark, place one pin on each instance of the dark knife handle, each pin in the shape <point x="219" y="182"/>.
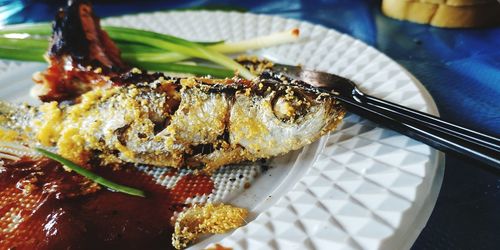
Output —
<point x="436" y="122"/>
<point x="426" y="128"/>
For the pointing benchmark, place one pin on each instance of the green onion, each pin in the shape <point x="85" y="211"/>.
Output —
<point x="133" y="48"/>
<point x="222" y="47"/>
<point x="29" y="43"/>
<point x="94" y="177"/>
<point x="35" y="55"/>
<point x="172" y="43"/>
<point x="41" y="29"/>
<point x="162" y="57"/>
<point x="186" y="68"/>
<point x="45" y="29"/>
<point x="258" y="42"/>
<point x="225" y="47"/>
<point x="166" y="42"/>
<point x="145" y="47"/>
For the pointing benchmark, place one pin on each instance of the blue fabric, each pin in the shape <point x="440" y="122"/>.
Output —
<point x="459" y="67"/>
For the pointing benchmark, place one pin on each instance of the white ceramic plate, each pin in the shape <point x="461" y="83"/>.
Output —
<point x="361" y="187"/>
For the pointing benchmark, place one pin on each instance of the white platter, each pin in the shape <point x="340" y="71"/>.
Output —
<point x="361" y="187"/>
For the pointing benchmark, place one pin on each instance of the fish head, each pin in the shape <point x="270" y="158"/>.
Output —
<point x="279" y="114"/>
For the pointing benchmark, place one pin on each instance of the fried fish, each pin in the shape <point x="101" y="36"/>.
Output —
<point x="177" y="122"/>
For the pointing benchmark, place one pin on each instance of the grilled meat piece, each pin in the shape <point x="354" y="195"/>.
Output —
<point x="81" y="56"/>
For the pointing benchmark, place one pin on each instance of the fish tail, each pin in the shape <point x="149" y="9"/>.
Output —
<point x="15" y="150"/>
<point x="8" y="114"/>
<point x="5" y="108"/>
<point x="13" y="144"/>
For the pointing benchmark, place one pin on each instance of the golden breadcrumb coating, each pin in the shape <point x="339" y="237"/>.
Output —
<point x="206" y="218"/>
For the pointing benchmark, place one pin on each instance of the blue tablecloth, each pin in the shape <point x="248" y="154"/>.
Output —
<point x="459" y="67"/>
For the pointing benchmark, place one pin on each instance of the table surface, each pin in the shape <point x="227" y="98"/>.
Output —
<point x="459" y="67"/>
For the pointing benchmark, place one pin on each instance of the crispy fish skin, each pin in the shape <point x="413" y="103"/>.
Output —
<point x="192" y="122"/>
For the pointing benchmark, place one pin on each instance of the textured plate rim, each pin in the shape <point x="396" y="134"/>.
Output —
<point x="424" y="212"/>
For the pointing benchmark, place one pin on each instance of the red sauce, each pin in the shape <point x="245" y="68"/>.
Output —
<point x="62" y="210"/>
<point x="192" y="185"/>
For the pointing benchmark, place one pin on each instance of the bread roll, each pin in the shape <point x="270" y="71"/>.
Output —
<point x="458" y="2"/>
<point x="444" y="15"/>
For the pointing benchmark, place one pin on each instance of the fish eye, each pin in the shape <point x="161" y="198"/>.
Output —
<point x="289" y="108"/>
<point x="283" y="109"/>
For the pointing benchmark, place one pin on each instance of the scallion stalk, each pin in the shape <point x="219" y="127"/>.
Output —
<point x="258" y="42"/>
<point x="41" y="29"/>
<point x="162" y="57"/>
<point x="37" y="55"/>
<point x="90" y="175"/>
<point x="146" y="47"/>
<point x="186" y="68"/>
<point x="44" y="29"/>
<point x="34" y="55"/>
<point x="177" y="44"/>
<point x="226" y="47"/>
<point x="28" y="43"/>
